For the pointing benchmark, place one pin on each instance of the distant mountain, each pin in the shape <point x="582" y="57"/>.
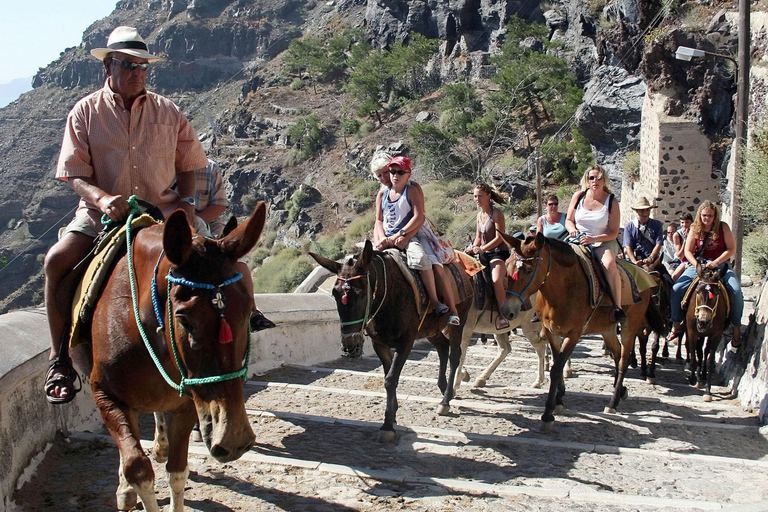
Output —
<point x="13" y="89"/>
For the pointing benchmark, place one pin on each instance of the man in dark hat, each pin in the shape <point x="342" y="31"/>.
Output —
<point x="119" y="141"/>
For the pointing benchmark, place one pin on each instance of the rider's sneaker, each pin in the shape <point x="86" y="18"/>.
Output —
<point x="620" y="316"/>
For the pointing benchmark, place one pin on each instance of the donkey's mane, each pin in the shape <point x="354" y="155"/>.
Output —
<point x="562" y="252"/>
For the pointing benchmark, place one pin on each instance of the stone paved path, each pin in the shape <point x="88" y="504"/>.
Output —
<point x="316" y="448"/>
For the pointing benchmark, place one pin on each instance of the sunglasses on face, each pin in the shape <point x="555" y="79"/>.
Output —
<point x="130" y="66"/>
<point x="551" y="204"/>
<point x="594" y="178"/>
<point x="398" y="172"/>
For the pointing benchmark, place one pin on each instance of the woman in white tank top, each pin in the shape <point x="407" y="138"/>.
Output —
<point x="593" y="219"/>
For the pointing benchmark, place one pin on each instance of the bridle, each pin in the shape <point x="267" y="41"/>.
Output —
<point x="519" y="264"/>
<point x="218" y="302"/>
<point x="370" y="295"/>
<point x="710" y="295"/>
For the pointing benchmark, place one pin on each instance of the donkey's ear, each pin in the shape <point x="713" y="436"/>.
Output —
<point x="364" y="260"/>
<point x="229" y="227"/>
<point x="539" y="240"/>
<point x="511" y="241"/>
<point x="244" y="237"/>
<point x="332" y="266"/>
<point x="177" y="238"/>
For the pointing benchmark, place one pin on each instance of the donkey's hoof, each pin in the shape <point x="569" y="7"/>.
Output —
<point x="624" y="392"/>
<point x="568" y="373"/>
<point x="559" y="409"/>
<point x="443" y="410"/>
<point x="479" y="383"/>
<point x="537" y="384"/>
<point x="159" y="453"/>
<point x="386" y="436"/>
<point x="126" y="499"/>
<point x="548" y="426"/>
<point x="699" y="385"/>
<point x="707" y="398"/>
<point x="609" y="410"/>
<point x="651" y="380"/>
<point x="606" y="352"/>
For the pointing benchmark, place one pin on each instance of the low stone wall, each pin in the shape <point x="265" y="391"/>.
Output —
<point x="307" y="332"/>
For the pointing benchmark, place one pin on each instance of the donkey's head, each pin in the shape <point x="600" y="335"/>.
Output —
<point x="352" y="292"/>
<point x="708" y="296"/>
<point x="209" y="310"/>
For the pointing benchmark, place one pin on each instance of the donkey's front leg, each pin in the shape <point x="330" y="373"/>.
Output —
<point x="135" y="467"/>
<point x="182" y="422"/>
<point x="391" y="380"/>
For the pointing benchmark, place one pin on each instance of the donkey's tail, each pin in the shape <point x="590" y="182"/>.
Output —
<point x="656" y="320"/>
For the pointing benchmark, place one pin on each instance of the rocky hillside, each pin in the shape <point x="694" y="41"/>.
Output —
<point x="224" y="69"/>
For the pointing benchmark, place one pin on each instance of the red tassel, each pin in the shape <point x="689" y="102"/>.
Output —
<point x="514" y="276"/>
<point x="711" y="296"/>
<point x="225" y="332"/>
<point x="344" y="299"/>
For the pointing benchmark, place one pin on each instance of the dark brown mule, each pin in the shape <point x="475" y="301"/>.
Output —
<point x="706" y="317"/>
<point x="551" y="267"/>
<point x="205" y="310"/>
<point x="661" y="300"/>
<point x="373" y="295"/>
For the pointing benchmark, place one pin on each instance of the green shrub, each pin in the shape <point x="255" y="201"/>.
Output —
<point x="248" y="201"/>
<point x="755" y="252"/>
<point x="329" y="246"/>
<point x="523" y="208"/>
<point x="360" y="228"/>
<point x="297" y="84"/>
<point x="366" y="190"/>
<point x="457" y="188"/>
<point x="283" y="273"/>
<point x="349" y="126"/>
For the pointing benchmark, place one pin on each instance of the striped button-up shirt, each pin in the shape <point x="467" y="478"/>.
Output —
<point x="128" y="153"/>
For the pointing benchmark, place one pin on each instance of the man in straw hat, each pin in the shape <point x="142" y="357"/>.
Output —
<point x="644" y="238"/>
<point x="119" y="141"/>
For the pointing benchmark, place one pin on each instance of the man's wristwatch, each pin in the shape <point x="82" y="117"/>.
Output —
<point x="188" y="200"/>
<point x="402" y="232"/>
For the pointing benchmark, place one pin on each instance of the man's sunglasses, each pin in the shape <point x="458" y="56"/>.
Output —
<point x="551" y="204"/>
<point x="130" y="66"/>
<point x="399" y="173"/>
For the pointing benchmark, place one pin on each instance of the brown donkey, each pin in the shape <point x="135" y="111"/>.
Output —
<point x="550" y="267"/>
<point x="185" y="356"/>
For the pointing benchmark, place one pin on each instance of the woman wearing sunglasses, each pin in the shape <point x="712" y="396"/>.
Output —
<point x="593" y="219"/>
<point x="400" y="215"/>
<point x="552" y="223"/>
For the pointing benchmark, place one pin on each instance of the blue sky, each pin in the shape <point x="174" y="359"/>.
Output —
<point x="35" y="32"/>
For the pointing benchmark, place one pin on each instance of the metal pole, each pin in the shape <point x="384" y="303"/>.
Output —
<point x="539" y="212"/>
<point x="742" y="113"/>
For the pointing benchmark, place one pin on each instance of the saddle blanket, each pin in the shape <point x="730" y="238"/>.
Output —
<point x="87" y="291"/>
<point x="414" y="279"/>
<point x="634" y="280"/>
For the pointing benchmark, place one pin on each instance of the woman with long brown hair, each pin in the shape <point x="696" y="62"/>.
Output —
<point x="488" y="245"/>
<point x="710" y="242"/>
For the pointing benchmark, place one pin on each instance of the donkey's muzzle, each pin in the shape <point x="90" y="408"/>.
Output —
<point x="352" y="345"/>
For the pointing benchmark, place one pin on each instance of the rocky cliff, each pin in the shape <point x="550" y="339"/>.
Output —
<point x="223" y="69"/>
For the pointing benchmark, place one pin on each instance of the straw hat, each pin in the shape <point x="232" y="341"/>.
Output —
<point x="643" y="204"/>
<point x="125" y="40"/>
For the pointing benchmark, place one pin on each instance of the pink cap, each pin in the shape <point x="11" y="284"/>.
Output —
<point x="401" y="162"/>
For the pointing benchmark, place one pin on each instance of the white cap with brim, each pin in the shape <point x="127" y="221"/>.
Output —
<point x="125" y="40"/>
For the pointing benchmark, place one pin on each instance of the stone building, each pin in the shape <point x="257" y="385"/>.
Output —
<point x="675" y="165"/>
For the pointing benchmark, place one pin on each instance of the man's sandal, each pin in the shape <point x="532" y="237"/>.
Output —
<point x="67" y="379"/>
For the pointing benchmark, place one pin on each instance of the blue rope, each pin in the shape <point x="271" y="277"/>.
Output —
<point x="204" y="286"/>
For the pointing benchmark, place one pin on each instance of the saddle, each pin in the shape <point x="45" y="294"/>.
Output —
<point x="692" y="288"/>
<point x="634" y="280"/>
<point x="106" y="252"/>
<point x="414" y="279"/>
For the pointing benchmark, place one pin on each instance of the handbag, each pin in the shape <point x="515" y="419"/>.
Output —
<point x="439" y="243"/>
